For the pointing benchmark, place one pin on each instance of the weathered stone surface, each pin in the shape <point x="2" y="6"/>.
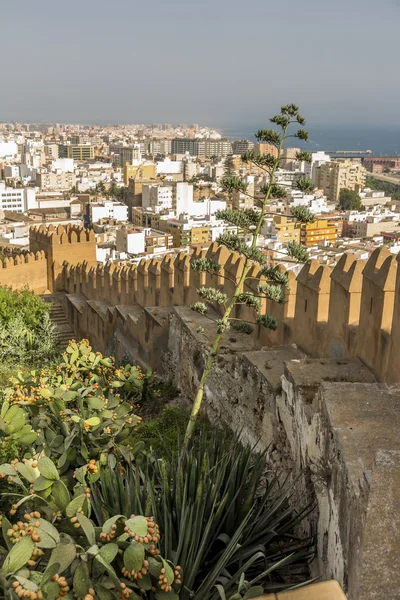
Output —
<point x="327" y="590"/>
<point x="322" y="420"/>
<point x="381" y="549"/>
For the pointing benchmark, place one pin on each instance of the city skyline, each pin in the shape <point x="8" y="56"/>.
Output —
<point x="89" y="63"/>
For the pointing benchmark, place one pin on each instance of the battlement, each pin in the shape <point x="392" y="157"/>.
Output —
<point x="351" y="310"/>
<point x="76" y="243"/>
<point x="22" y="259"/>
<point x="52" y="236"/>
<point x="25" y="269"/>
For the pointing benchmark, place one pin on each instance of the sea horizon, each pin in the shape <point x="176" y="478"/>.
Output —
<point x="381" y="140"/>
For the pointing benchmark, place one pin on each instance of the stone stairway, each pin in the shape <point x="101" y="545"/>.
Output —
<point x="58" y="318"/>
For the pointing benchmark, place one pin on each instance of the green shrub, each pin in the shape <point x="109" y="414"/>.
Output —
<point x="27" y="336"/>
<point x="60" y="552"/>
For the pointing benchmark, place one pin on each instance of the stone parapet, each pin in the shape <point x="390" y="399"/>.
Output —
<point x="352" y="310"/>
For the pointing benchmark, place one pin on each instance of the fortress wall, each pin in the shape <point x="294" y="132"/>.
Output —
<point x="324" y="421"/>
<point x="25" y="270"/>
<point x="352" y="310"/>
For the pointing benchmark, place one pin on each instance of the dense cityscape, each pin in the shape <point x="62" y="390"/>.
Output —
<point x="151" y="190"/>
<point x="199" y="300"/>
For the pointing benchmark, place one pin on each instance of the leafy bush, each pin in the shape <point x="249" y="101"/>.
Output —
<point x="27" y="335"/>
<point x="76" y="416"/>
<point x="63" y="553"/>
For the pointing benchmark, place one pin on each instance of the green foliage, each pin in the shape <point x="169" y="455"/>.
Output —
<point x="303" y="156"/>
<point x="267" y="321"/>
<point x="274" y="191"/>
<point x="350" y="200"/>
<point x="205" y="265"/>
<point x="275" y="275"/>
<point x="242" y="327"/>
<point x="305" y="185"/>
<point x="233" y="183"/>
<point x="79" y="413"/>
<point x="298" y="252"/>
<point x="163" y="433"/>
<point x="268" y="136"/>
<point x="23" y="303"/>
<point x="302" y="214"/>
<point x="64" y="553"/>
<point x="199" y="307"/>
<point x="263" y="161"/>
<point x="272" y="291"/>
<point x="249" y="299"/>
<point x="219" y="515"/>
<point x="212" y="295"/>
<point x="244" y="219"/>
<point x="234" y="243"/>
<point x="390" y="189"/>
<point x="27" y="336"/>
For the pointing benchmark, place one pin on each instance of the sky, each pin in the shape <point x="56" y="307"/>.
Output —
<point x="214" y="62"/>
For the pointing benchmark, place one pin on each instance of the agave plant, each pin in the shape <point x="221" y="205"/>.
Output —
<point x="220" y="516"/>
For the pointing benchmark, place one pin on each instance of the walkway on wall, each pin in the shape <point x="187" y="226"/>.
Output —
<point x="59" y="319"/>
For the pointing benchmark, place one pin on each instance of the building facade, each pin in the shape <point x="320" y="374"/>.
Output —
<point x="17" y="199"/>
<point x="318" y="232"/>
<point x="77" y="152"/>
<point x="331" y="177"/>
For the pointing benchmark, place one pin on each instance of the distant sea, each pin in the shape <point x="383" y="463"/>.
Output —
<point x="381" y="140"/>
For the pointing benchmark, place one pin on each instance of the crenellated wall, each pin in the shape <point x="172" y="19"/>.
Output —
<point x="71" y="243"/>
<point x="25" y="270"/>
<point x="351" y="310"/>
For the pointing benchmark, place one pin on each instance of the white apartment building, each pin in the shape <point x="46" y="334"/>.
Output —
<point x="107" y="210"/>
<point x="157" y="197"/>
<point x="169" y="167"/>
<point x="132" y="241"/>
<point x="207" y="207"/>
<point x="317" y="159"/>
<point x="8" y="149"/>
<point x="17" y="199"/>
<point x="63" y="165"/>
<point x="183" y="198"/>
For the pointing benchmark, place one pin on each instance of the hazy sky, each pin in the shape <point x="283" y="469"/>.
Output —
<point x="218" y="62"/>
